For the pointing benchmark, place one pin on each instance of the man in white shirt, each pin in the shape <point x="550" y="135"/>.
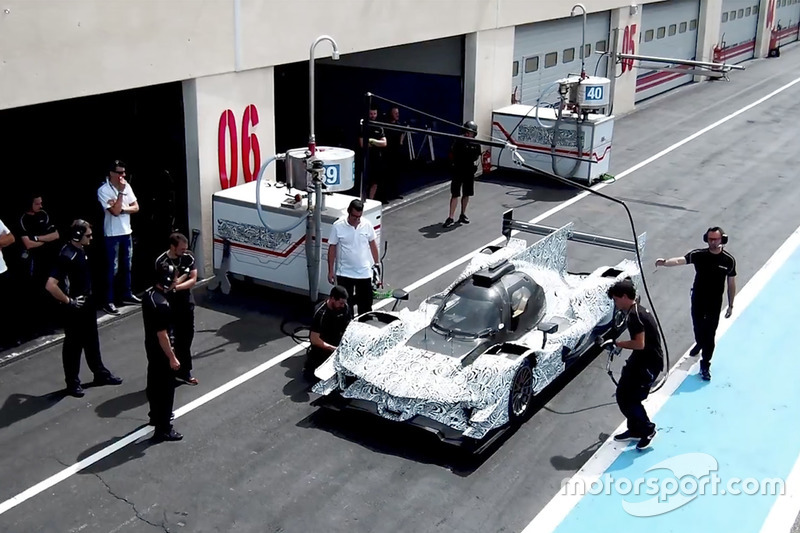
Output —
<point x="8" y="327"/>
<point x="118" y="202"/>
<point x="352" y="251"/>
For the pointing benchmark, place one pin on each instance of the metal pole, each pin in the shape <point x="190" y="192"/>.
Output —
<point x="314" y="220"/>
<point x="688" y="62"/>
<point x="583" y="36"/>
<point x="312" y="142"/>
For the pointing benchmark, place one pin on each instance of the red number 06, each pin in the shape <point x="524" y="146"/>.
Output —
<point x="628" y="46"/>
<point x="226" y="144"/>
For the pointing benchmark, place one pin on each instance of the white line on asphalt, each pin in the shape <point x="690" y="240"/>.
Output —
<point x="105" y="452"/>
<point x="784" y="510"/>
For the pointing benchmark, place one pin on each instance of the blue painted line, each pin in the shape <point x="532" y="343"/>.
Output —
<point x="744" y="419"/>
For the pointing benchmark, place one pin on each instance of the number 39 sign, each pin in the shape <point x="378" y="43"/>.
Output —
<point x="227" y="132"/>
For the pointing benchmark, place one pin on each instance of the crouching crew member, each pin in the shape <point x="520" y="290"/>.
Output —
<point x="71" y="284"/>
<point x="642" y="367"/>
<point x="181" y="302"/>
<point x="162" y="362"/>
<point x="327" y="328"/>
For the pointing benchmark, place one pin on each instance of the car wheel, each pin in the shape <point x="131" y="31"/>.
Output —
<point x="521" y="395"/>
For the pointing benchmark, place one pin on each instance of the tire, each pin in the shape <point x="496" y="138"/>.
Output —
<point x="520" y="397"/>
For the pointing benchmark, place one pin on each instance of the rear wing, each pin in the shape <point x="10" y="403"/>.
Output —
<point x="510" y="225"/>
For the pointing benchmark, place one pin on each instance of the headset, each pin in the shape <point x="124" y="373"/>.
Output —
<point x="78" y="229"/>
<point x="165" y="275"/>
<point x="715" y="228"/>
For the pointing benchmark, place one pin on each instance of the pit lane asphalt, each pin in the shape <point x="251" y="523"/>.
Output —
<point x="260" y="458"/>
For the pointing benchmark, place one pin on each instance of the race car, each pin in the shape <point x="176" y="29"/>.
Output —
<point x="471" y="359"/>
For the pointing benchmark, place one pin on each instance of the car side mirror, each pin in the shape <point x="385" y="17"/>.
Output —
<point x="400" y="294"/>
<point x="546" y="328"/>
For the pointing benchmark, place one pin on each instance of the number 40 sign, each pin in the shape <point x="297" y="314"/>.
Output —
<point x="227" y="144"/>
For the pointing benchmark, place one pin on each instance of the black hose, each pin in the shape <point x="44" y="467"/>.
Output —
<point x="638" y="254"/>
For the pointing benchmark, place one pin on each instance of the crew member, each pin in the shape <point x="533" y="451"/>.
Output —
<point x="715" y="269"/>
<point x="376" y="143"/>
<point x="327" y="327"/>
<point x="464" y="158"/>
<point x="352" y="253"/>
<point x="39" y="239"/>
<point x="162" y="362"/>
<point x="71" y="284"/>
<point x="642" y="367"/>
<point x="181" y="302"/>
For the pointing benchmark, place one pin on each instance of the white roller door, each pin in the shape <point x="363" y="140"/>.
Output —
<point x="669" y="29"/>
<point x="547" y="51"/>
<point x="738" y="30"/>
<point x="787" y="15"/>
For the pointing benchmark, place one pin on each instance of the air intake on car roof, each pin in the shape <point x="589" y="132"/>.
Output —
<point x="488" y="276"/>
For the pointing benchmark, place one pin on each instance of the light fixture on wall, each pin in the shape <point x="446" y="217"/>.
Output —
<point x="634" y="10"/>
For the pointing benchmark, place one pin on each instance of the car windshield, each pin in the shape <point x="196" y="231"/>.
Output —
<point x="472" y="313"/>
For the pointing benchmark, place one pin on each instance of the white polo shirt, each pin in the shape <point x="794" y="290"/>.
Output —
<point x="353" y="254"/>
<point x="114" y="226"/>
<point x="3" y="231"/>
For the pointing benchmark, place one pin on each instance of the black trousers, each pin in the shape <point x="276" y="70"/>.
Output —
<point x="80" y="335"/>
<point x="184" y="335"/>
<point x="633" y="388"/>
<point x="360" y="291"/>
<point x="705" y="319"/>
<point x="160" y="390"/>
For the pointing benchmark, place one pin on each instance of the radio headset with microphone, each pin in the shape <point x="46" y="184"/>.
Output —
<point x="78" y="229"/>
<point x="715" y="228"/>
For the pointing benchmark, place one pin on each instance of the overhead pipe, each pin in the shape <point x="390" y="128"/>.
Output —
<point x="721" y="67"/>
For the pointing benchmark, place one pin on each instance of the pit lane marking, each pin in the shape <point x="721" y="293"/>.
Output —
<point x="786" y="507"/>
<point x="222" y="389"/>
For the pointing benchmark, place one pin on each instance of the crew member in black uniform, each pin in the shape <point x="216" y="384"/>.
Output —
<point x="464" y="159"/>
<point x="715" y="269"/>
<point x="162" y="362"/>
<point x="376" y="143"/>
<point x="181" y="302"/>
<point x="330" y="320"/>
<point x="39" y="238"/>
<point x="641" y="369"/>
<point x="71" y="284"/>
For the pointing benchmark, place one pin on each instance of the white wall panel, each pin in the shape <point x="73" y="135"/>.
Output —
<point x="669" y="29"/>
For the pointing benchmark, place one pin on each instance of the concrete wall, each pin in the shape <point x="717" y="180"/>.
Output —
<point x="58" y="49"/>
<point x="205" y="101"/>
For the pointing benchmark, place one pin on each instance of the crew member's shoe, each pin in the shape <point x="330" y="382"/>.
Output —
<point x="76" y="391"/>
<point x="171" y="435"/>
<point x="447" y="223"/>
<point x="111" y="309"/>
<point x="189" y="380"/>
<point x="132" y="299"/>
<point x="705" y="374"/>
<point x="625" y="436"/>
<point x="644" y="442"/>
<point x="695" y="351"/>
<point x="463" y="219"/>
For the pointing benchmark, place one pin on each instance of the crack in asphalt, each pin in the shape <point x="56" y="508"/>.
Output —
<point x="162" y="526"/>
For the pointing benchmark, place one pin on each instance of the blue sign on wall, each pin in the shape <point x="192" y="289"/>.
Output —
<point x="333" y="175"/>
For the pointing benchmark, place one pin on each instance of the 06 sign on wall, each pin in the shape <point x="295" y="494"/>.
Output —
<point x="628" y="47"/>
<point x="228" y="147"/>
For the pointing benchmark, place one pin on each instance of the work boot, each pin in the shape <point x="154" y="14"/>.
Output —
<point x="76" y="391"/>
<point x="625" y="436"/>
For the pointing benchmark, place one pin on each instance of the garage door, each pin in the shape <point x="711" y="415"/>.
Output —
<point x="738" y="30"/>
<point x="787" y="15"/>
<point x="669" y="29"/>
<point x="547" y="51"/>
